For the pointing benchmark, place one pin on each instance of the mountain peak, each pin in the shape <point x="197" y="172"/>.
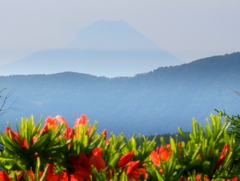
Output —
<point x="105" y="48"/>
<point x="111" y="35"/>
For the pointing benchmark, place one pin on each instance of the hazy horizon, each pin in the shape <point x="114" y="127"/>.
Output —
<point x="106" y="48"/>
<point x="189" y="30"/>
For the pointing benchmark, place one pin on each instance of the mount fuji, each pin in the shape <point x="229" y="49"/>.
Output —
<point x="105" y="48"/>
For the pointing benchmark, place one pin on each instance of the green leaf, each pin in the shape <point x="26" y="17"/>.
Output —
<point x="38" y="163"/>
<point x="206" y="165"/>
<point x="40" y="143"/>
<point x="45" y="173"/>
<point x="196" y="151"/>
<point x="6" y="158"/>
<point x="183" y="134"/>
<point x="195" y="162"/>
<point x="114" y="160"/>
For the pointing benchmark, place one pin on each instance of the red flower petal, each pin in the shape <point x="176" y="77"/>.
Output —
<point x="105" y="134"/>
<point x="50" y="122"/>
<point x="165" y="154"/>
<point x="24" y="144"/>
<point x="224" y="153"/>
<point x="155" y="158"/>
<point x="68" y="133"/>
<point x="9" y="131"/>
<point x="82" y="120"/>
<point x="89" y="130"/>
<point x="132" y="166"/>
<point x="82" y="160"/>
<point x="81" y="173"/>
<point x="97" y="151"/>
<point x="4" y="176"/>
<point x="199" y="178"/>
<point x="50" y="171"/>
<point x="125" y="159"/>
<point x="97" y="162"/>
<point x="61" y="120"/>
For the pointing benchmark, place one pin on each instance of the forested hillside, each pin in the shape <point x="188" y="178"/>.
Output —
<point x="154" y="102"/>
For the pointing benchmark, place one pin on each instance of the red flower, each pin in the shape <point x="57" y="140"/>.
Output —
<point x="105" y="134"/>
<point x="82" y="164"/>
<point x="15" y="136"/>
<point x="134" y="172"/>
<point x="50" y="174"/>
<point x="24" y="144"/>
<point x="160" y="155"/>
<point x="68" y="133"/>
<point x="58" y="177"/>
<point x="123" y="161"/>
<point x="62" y="176"/>
<point x="30" y="174"/>
<point x="4" y="176"/>
<point x="199" y="178"/>
<point x="61" y="120"/>
<point x="234" y="179"/>
<point x="89" y="130"/>
<point x="97" y="152"/>
<point x="225" y="152"/>
<point x="52" y="123"/>
<point x="96" y="159"/>
<point x="82" y="120"/>
<point x="49" y="122"/>
<point x="97" y="162"/>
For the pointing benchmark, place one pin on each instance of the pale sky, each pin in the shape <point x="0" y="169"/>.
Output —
<point x="188" y="29"/>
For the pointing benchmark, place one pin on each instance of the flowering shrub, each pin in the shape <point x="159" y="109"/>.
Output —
<point x="57" y="152"/>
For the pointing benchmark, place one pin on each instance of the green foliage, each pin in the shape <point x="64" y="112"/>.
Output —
<point x="234" y="128"/>
<point x="27" y="146"/>
<point x="141" y="146"/>
<point x="203" y="149"/>
<point x="55" y="150"/>
<point x="181" y="137"/>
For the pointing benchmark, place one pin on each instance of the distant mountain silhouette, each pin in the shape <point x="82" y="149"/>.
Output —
<point x="105" y="48"/>
<point x="112" y="35"/>
<point x="155" y="102"/>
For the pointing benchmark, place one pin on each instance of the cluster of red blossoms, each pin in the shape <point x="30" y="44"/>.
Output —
<point x="81" y="165"/>
<point x="57" y="152"/>
<point x="162" y="155"/>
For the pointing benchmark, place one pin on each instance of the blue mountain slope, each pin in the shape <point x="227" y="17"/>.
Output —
<point x="155" y="102"/>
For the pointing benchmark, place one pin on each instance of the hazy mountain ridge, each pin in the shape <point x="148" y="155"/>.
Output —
<point x="105" y="48"/>
<point x="99" y="63"/>
<point x="156" y="102"/>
